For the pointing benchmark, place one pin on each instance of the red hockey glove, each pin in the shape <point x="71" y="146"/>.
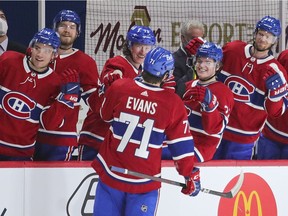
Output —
<point x="69" y="75"/>
<point x="109" y="78"/>
<point x="193" y="45"/>
<point x="70" y="90"/>
<point x="193" y="184"/>
<point x="169" y="84"/>
<point x="275" y="83"/>
<point x="202" y="94"/>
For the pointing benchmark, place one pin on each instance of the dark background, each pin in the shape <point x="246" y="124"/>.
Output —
<point x="22" y="18"/>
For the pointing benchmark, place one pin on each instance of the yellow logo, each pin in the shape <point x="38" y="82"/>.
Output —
<point x="247" y="203"/>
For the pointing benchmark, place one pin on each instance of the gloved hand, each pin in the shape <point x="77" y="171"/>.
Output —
<point x="203" y="95"/>
<point x="275" y="83"/>
<point x="169" y="84"/>
<point x="193" y="184"/>
<point x="70" y="87"/>
<point x="193" y="45"/>
<point x="109" y="78"/>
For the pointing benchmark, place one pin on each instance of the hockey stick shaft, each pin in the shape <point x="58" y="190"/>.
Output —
<point x="229" y="194"/>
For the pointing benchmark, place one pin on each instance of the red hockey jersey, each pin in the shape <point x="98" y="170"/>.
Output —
<point x="141" y="118"/>
<point x="207" y="127"/>
<point x="276" y="128"/>
<point x="94" y="128"/>
<point x="243" y="74"/>
<point x="86" y="66"/>
<point x="24" y="95"/>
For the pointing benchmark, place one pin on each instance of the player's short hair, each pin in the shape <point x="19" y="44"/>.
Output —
<point x="149" y="78"/>
<point x="125" y="49"/>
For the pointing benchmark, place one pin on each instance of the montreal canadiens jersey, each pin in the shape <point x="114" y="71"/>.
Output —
<point x="94" y="128"/>
<point x="276" y="128"/>
<point x="24" y="95"/>
<point x="243" y="74"/>
<point x="88" y="73"/>
<point x="207" y="127"/>
<point x="141" y="118"/>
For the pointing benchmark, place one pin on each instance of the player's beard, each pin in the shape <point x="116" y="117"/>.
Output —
<point x="67" y="42"/>
<point x="262" y="48"/>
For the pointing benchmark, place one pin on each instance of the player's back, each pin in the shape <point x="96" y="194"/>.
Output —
<point x="141" y="117"/>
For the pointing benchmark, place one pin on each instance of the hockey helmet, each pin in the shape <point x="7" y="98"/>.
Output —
<point x="269" y="24"/>
<point x="141" y="35"/>
<point x="158" y="61"/>
<point x="210" y="50"/>
<point x="67" y="15"/>
<point x="46" y="36"/>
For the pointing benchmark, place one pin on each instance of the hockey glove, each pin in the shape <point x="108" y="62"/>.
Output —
<point x="109" y="78"/>
<point x="193" y="45"/>
<point x="203" y="95"/>
<point x="275" y="83"/>
<point x="169" y="84"/>
<point x="70" y="88"/>
<point x="193" y="184"/>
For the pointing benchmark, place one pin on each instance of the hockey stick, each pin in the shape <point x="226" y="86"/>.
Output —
<point x="229" y="194"/>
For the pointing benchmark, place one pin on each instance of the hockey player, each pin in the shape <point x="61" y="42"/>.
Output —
<point x="139" y="40"/>
<point x="273" y="143"/>
<point x="208" y="101"/>
<point x="141" y="115"/>
<point x="258" y="82"/>
<point x="59" y="144"/>
<point x="28" y="95"/>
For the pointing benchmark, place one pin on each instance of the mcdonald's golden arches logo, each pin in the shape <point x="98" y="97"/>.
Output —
<point x="255" y="198"/>
<point x="247" y="203"/>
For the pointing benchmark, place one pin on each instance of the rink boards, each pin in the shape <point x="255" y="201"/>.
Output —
<point x="68" y="188"/>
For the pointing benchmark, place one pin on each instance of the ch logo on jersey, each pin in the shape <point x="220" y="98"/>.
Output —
<point x="240" y="88"/>
<point x="18" y="105"/>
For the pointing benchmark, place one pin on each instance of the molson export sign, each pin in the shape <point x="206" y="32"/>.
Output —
<point x="255" y="198"/>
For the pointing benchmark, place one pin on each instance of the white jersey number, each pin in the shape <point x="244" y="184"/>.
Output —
<point x="133" y="122"/>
